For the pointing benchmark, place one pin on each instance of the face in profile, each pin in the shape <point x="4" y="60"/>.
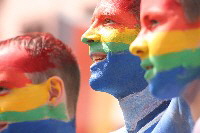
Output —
<point x="115" y="24"/>
<point x="24" y="106"/>
<point x="168" y="45"/>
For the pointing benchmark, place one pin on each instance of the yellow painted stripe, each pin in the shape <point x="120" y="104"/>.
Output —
<point x="173" y="41"/>
<point x="108" y="34"/>
<point x="24" y="99"/>
<point x="125" y="36"/>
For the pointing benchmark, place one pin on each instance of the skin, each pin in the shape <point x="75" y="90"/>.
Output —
<point x="22" y="101"/>
<point x="168" y="45"/>
<point x="197" y="127"/>
<point x="113" y="27"/>
<point x="115" y="24"/>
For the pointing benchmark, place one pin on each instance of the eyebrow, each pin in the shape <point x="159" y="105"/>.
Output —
<point x="102" y="16"/>
<point x="5" y="84"/>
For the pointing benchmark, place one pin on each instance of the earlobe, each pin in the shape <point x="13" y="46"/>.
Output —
<point x="55" y="89"/>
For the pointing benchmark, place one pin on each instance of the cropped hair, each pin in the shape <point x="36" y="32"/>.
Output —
<point x="191" y="9"/>
<point x="39" y="44"/>
<point x="135" y="9"/>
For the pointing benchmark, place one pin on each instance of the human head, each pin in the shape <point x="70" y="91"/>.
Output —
<point x="39" y="80"/>
<point x="168" y="45"/>
<point x="115" y="24"/>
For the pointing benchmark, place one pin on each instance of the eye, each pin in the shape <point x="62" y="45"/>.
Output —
<point x="153" y="23"/>
<point x="4" y="91"/>
<point x="109" y="21"/>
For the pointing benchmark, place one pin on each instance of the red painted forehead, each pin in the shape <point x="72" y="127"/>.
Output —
<point x="13" y="56"/>
<point x="159" y="4"/>
<point x="115" y="4"/>
<point x="122" y="11"/>
<point x="169" y="13"/>
<point x="112" y="7"/>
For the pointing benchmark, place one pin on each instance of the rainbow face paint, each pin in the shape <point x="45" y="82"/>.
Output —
<point x="168" y="45"/>
<point x="114" y="26"/>
<point x="24" y="105"/>
<point x="41" y="126"/>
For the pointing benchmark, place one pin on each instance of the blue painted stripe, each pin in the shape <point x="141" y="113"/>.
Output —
<point x="117" y="71"/>
<point x="171" y="83"/>
<point x="42" y="126"/>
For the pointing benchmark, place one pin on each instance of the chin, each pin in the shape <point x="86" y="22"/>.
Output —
<point x="40" y="126"/>
<point x="172" y="83"/>
<point x="119" y="75"/>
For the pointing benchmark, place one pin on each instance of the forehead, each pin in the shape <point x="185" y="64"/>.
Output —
<point x="112" y="6"/>
<point x="12" y="56"/>
<point x="147" y="5"/>
<point x="12" y="78"/>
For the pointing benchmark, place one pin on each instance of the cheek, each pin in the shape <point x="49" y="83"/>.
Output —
<point x="108" y="34"/>
<point x="24" y="99"/>
<point x="173" y="41"/>
<point x="125" y="36"/>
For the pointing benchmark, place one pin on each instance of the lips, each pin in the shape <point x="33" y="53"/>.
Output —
<point x="3" y="125"/>
<point x="148" y="66"/>
<point x="98" y="56"/>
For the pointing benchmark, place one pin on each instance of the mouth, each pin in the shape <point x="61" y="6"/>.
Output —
<point x="3" y="125"/>
<point x="98" y="57"/>
<point x="149" y="68"/>
<point x="147" y="65"/>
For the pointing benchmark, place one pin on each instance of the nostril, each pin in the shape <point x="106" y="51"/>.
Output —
<point x="90" y="41"/>
<point x="139" y="52"/>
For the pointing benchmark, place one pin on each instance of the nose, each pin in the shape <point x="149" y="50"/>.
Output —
<point x="90" y="36"/>
<point x="139" y="48"/>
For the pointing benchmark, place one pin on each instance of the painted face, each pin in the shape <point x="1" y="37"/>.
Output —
<point x="20" y="100"/>
<point x="168" y="45"/>
<point x="114" y="27"/>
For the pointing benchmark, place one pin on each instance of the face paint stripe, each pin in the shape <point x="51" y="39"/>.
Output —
<point x="108" y="47"/>
<point x="189" y="40"/>
<point x="96" y="47"/>
<point x="110" y="39"/>
<point x="177" y="77"/>
<point x="115" y="47"/>
<point x="186" y="59"/>
<point x="55" y="112"/>
<point x="118" y="35"/>
<point x="18" y="97"/>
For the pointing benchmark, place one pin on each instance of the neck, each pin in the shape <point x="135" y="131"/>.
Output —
<point x="192" y="96"/>
<point x="139" y="109"/>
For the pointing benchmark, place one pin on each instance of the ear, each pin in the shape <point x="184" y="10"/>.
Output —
<point x="56" y="87"/>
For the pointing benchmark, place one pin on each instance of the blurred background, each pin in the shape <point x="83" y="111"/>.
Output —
<point x="67" y="20"/>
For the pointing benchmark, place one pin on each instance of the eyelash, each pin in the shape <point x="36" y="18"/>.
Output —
<point x="154" y="22"/>
<point x="109" y="21"/>
<point x="150" y="23"/>
<point x="4" y="91"/>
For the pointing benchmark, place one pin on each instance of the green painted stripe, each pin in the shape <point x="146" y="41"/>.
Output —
<point x="96" y="47"/>
<point x="115" y="47"/>
<point x="108" y="47"/>
<point x="44" y="112"/>
<point x="187" y="59"/>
